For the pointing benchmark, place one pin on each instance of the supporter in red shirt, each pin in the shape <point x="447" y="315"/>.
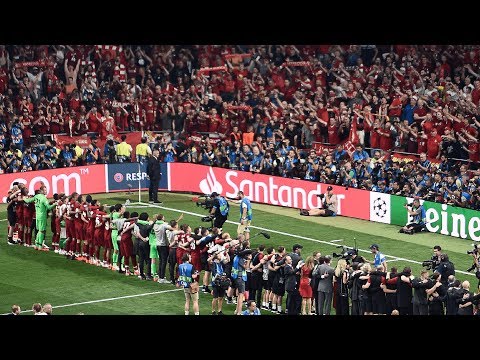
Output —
<point x="433" y="144"/>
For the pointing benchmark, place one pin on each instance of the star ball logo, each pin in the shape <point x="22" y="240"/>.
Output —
<point x="118" y="177"/>
<point x="380" y="207"/>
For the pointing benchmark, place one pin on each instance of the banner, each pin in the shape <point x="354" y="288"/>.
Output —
<point x="296" y="63"/>
<point x="25" y="64"/>
<point x="408" y="158"/>
<point x="441" y="218"/>
<point x="133" y="138"/>
<point x="273" y="190"/>
<point x="208" y="69"/>
<point x="80" y="179"/>
<point x="127" y="176"/>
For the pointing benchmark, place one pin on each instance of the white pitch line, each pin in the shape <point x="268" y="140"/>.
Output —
<point x="337" y="240"/>
<point x="3" y="220"/>
<point x="108" y="299"/>
<point x="299" y="237"/>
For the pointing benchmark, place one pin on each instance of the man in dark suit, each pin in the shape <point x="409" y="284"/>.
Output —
<point x="291" y="285"/>
<point x="153" y="172"/>
<point x="324" y="273"/>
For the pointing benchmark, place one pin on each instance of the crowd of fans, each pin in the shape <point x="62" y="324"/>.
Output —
<point x="264" y="108"/>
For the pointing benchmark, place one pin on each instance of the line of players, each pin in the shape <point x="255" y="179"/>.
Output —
<point x="81" y="227"/>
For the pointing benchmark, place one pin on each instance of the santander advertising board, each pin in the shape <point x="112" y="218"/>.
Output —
<point x="272" y="190"/>
<point x="82" y="179"/>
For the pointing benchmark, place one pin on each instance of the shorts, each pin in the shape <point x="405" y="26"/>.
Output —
<point x="239" y="284"/>
<point x="278" y="288"/>
<point x="218" y="292"/>
<point x="265" y="285"/>
<point x="189" y="295"/>
<point x="79" y="232"/>
<point x="204" y="262"/>
<point x="98" y="237"/>
<point x="154" y="252"/>
<point x="328" y="212"/>
<point x="70" y="229"/>
<point x="271" y="280"/>
<point x="12" y="219"/>
<point x="244" y="228"/>
<point x="126" y="248"/>
<point x="41" y="225"/>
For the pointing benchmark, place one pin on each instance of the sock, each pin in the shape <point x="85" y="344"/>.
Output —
<point x="197" y="313"/>
<point x="85" y="249"/>
<point x="114" y="258"/>
<point x="264" y="304"/>
<point x="97" y="253"/>
<point x="154" y="269"/>
<point x="77" y="248"/>
<point x="62" y="243"/>
<point x="274" y="307"/>
<point x="186" y="312"/>
<point x="279" y="308"/>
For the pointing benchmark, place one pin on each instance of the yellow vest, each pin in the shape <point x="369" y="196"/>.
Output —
<point x="141" y="149"/>
<point x="123" y="149"/>
<point x="78" y="151"/>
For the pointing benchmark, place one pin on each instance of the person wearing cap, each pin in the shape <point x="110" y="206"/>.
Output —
<point x="219" y="210"/>
<point x="379" y="258"/>
<point x="418" y="214"/>
<point x="329" y="202"/>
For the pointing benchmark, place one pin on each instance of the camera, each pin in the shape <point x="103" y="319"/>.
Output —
<point x="207" y="203"/>
<point x="346" y="253"/>
<point x="321" y="196"/>
<point x="429" y="264"/>
<point x="474" y="251"/>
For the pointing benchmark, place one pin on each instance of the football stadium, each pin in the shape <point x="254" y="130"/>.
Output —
<point x="239" y="180"/>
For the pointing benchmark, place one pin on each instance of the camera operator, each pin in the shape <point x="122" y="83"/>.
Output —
<point x="445" y="269"/>
<point x="330" y="205"/>
<point x="219" y="210"/>
<point x="419" y="215"/>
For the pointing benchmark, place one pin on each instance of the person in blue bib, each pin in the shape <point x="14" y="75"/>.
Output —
<point x="418" y="214"/>
<point x="187" y="278"/>
<point x="219" y="210"/>
<point x="378" y="258"/>
<point x="251" y="308"/>
<point x="245" y="215"/>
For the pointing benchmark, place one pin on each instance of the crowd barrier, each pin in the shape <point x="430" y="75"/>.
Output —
<point x="272" y="190"/>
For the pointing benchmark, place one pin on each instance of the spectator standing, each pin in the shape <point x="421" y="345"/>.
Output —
<point x="153" y="172"/>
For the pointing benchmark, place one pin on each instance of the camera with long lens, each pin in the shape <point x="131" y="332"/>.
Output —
<point x="346" y="253"/>
<point x="429" y="264"/>
<point x="475" y="253"/>
<point x="207" y="203"/>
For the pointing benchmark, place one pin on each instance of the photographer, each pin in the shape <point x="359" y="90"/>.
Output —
<point x="329" y="201"/>
<point x="417" y="211"/>
<point x="219" y="210"/>
<point x="220" y="281"/>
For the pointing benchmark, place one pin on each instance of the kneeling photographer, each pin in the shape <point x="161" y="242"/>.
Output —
<point x="329" y="205"/>
<point x="418" y="213"/>
<point x="219" y="210"/>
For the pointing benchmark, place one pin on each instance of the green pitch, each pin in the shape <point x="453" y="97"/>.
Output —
<point x="72" y="287"/>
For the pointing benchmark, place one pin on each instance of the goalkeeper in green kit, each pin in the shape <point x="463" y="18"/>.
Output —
<point x="42" y="206"/>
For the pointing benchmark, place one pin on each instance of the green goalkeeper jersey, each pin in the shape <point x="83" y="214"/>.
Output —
<point x="41" y="205"/>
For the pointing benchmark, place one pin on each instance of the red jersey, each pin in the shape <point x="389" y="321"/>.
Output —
<point x="433" y="145"/>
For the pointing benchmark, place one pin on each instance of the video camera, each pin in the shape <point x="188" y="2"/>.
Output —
<point x="474" y="265"/>
<point x="207" y="203"/>
<point x="347" y="251"/>
<point x="429" y="264"/>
